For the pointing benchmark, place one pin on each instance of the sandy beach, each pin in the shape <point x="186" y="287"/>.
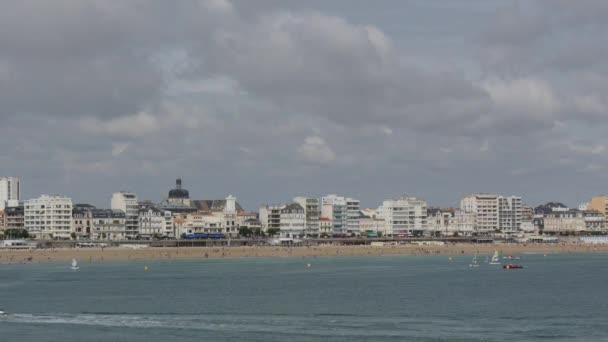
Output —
<point x="168" y="253"/>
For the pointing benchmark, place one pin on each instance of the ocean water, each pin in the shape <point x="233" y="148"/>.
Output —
<point x="400" y="298"/>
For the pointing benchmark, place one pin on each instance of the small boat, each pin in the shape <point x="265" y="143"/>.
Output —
<point x="474" y="262"/>
<point x="3" y="313"/>
<point x="511" y="257"/>
<point x="511" y="266"/>
<point x="75" y="264"/>
<point x="495" y="259"/>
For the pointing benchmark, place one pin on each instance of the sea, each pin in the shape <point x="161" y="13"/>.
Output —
<point x="556" y="297"/>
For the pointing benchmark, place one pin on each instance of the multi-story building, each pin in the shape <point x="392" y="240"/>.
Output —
<point x="9" y="191"/>
<point x="293" y="221"/>
<point x="404" y="215"/>
<point x="570" y="221"/>
<point x="108" y="224"/>
<point x="82" y="221"/>
<point x="179" y="196"/>
<point x="199" y="223"/>
<point x="463" y="223"/>
<point x="335" y="208"/>
<point x="353" y="212"/>
<point x="49" y="217"/>
<point x="312" y="211"/>
<point x="494" y="213"/>
<point x="2" y="219"/>
<point x="270" y="216"/>
<point x="438" y="221"/>
<point x="154" y="222"/>
<point x="325" y="226"/>
<point x="14" y="218"/>
<point x="128" y="204"/>
<point x="599" y="203"/>
<point x="595" y="222"/>
<point x="370" y="223"/>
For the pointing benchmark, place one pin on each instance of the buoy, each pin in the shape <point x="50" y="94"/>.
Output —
<point x="450" y="258"/>
<point x="308" y="265"/>
<point x="545" y="254"/>
<point x="145" y="268"/>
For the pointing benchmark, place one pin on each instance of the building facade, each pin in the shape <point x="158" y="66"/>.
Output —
<point x="312" y="211"/>
<point x="334" y="207"/>
<point x="154" y="222"/>
<point x="108" y="224"/>
<point x="128" y="204"/>
<point x="10" y="191"/>
<point x="293" y="221"/>
<point x="494" y="213"/>
<point x="48" y="217"/>
<point x="14" y="218"/>
<point x="405" y="215"/>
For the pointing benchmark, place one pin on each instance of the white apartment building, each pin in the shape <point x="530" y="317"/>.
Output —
<point x="494" y="212"/>
<point x="108" y="224"/>
<point x="127" y="202"/>
<point x="9" y="191"/>
<point x="353" y="212"/>
<point x="270" y="216"/>
<point x="199" y="223"/>
<point x="48" y="217"/>
<point x="155" y="222"/>
<point x="404" y="215"/>
<point x="312" y="212"/>
<point x="462" y="223"/>
<point x="293" y="221"/>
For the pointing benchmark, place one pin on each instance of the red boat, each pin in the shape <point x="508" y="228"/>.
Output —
<point x="510" y="266"/>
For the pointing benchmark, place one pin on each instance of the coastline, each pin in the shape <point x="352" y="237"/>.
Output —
<point x="196" y="253"/>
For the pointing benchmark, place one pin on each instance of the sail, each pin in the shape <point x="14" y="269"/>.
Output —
<point x="495" y="257"/>
<point x="74" y="263"/>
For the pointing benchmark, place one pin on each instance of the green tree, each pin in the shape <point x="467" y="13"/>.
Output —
<point x="73" y="236"/>
<point x="273" y="231"/>
<point x="245" y="232"/>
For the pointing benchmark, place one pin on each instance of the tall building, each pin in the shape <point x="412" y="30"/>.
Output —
<point x="494" y="212"/>
<point x="154" y="222"/>
<point x="9" y="191"/>
<point x="49" y="217"/>
<point x="13" y="217"/>
<point x="179" y="196"/>
<point x="335" y="208"/>
<point x="293" y="221"/>
<point x="127" y="203"/>
<point x="404" y="215"/>
<point x="353" y="212"/>
<point x="270" y="216"/>
<point x="599" y="203"/>
<point x="312" y="212"/>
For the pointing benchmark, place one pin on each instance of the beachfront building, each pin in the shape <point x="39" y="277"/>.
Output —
<point x="404" y="215"/>
<point x="462" y="224"/>
<point x="564" y="222"/>
<point x="270" y="216"/>
<point x="325" y="227"/>
<point x="48" y="217"/>
<point x="438" y="221"/>
<point x="293" y="221"/>
<point x="599" y="203"/>
<point x="14" y="218"/>
<point x="312" y="211"/>
<point x="343" y="212"/>
<point x="82" y="221"/>
<point x="199" y="223"/>
<point x="542" y="210"/>
<point x="371" y="224"/>
<point x="494" y="213"/>
<point x="128" y="204"/>
<point x="10" y="191"/>
<point x="154" y="222"/>
<point x="2" y="224"/>
<point x="595" y="222"/>
<point x="108" y="224"/>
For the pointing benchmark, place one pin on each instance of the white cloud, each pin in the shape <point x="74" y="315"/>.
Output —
<point x="315" y="149"/>
<point x="133" y="126"/>
<point x="527" y="94"/>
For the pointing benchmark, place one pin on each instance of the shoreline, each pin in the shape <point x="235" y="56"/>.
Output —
<point x="15" y="256"/>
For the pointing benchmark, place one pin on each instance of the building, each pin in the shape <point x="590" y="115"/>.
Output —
<point x="542" y="210"/>
<point x="127" y="203"/>
<point x="2" y="217"/>
<point x="438" y="221"/>
<point x="494" y="213"/>
<point x="335" y="208"/>
<point x="10" y="190"/>
<point x="292" y="221"/>
<point x="49" y="217"/>
<point x="270" y="217"/>
<point x="571" y="221"/>
<point x="82" y="221"/>
<point x="463" y="224"/>
<point x="199" y="223"/>
<point x="353" y="212"/>
<point x="370" y="223"/>
<point x="179" y="196"/>
<point x="312" y="211"/>
<point x="14" y="218"/>
<point x="325" y="227"/>
<point x="595" y="222"/>
<point x="598" y="203"/>
<point x="108" y="224"/>
<point x="404" y="215"/>
<point x="154" y="222"/>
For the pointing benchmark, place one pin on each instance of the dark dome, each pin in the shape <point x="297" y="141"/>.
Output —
<point x="178" y="192"/>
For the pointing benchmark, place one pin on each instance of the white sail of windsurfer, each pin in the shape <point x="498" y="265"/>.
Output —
<point x="495" y="259"/>
<point x="75" y="264"/>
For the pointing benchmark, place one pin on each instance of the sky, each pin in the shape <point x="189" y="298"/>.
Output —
<point x="271" y="99"/>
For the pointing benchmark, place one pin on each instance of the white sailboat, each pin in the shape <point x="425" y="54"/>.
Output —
<point x="495" y="259"/>
<point x="474" y="262"/>
<point x="75" y="264"/>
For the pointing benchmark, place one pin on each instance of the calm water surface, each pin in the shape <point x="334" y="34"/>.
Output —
<point x="404" y="298"/>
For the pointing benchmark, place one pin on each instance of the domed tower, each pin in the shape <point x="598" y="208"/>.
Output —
<point x="179" y="195"/>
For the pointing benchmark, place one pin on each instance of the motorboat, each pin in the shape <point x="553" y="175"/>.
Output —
<point x="3" y="313"/>
<point x="75" y="265"/>
<point x="511" y="266"/>
<point x="511" y="257"/>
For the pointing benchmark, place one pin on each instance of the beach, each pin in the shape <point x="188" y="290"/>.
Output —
<point x="193" y="253"/>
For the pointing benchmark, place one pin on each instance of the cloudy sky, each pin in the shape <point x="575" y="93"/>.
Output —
<point x="269" y="99"/>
